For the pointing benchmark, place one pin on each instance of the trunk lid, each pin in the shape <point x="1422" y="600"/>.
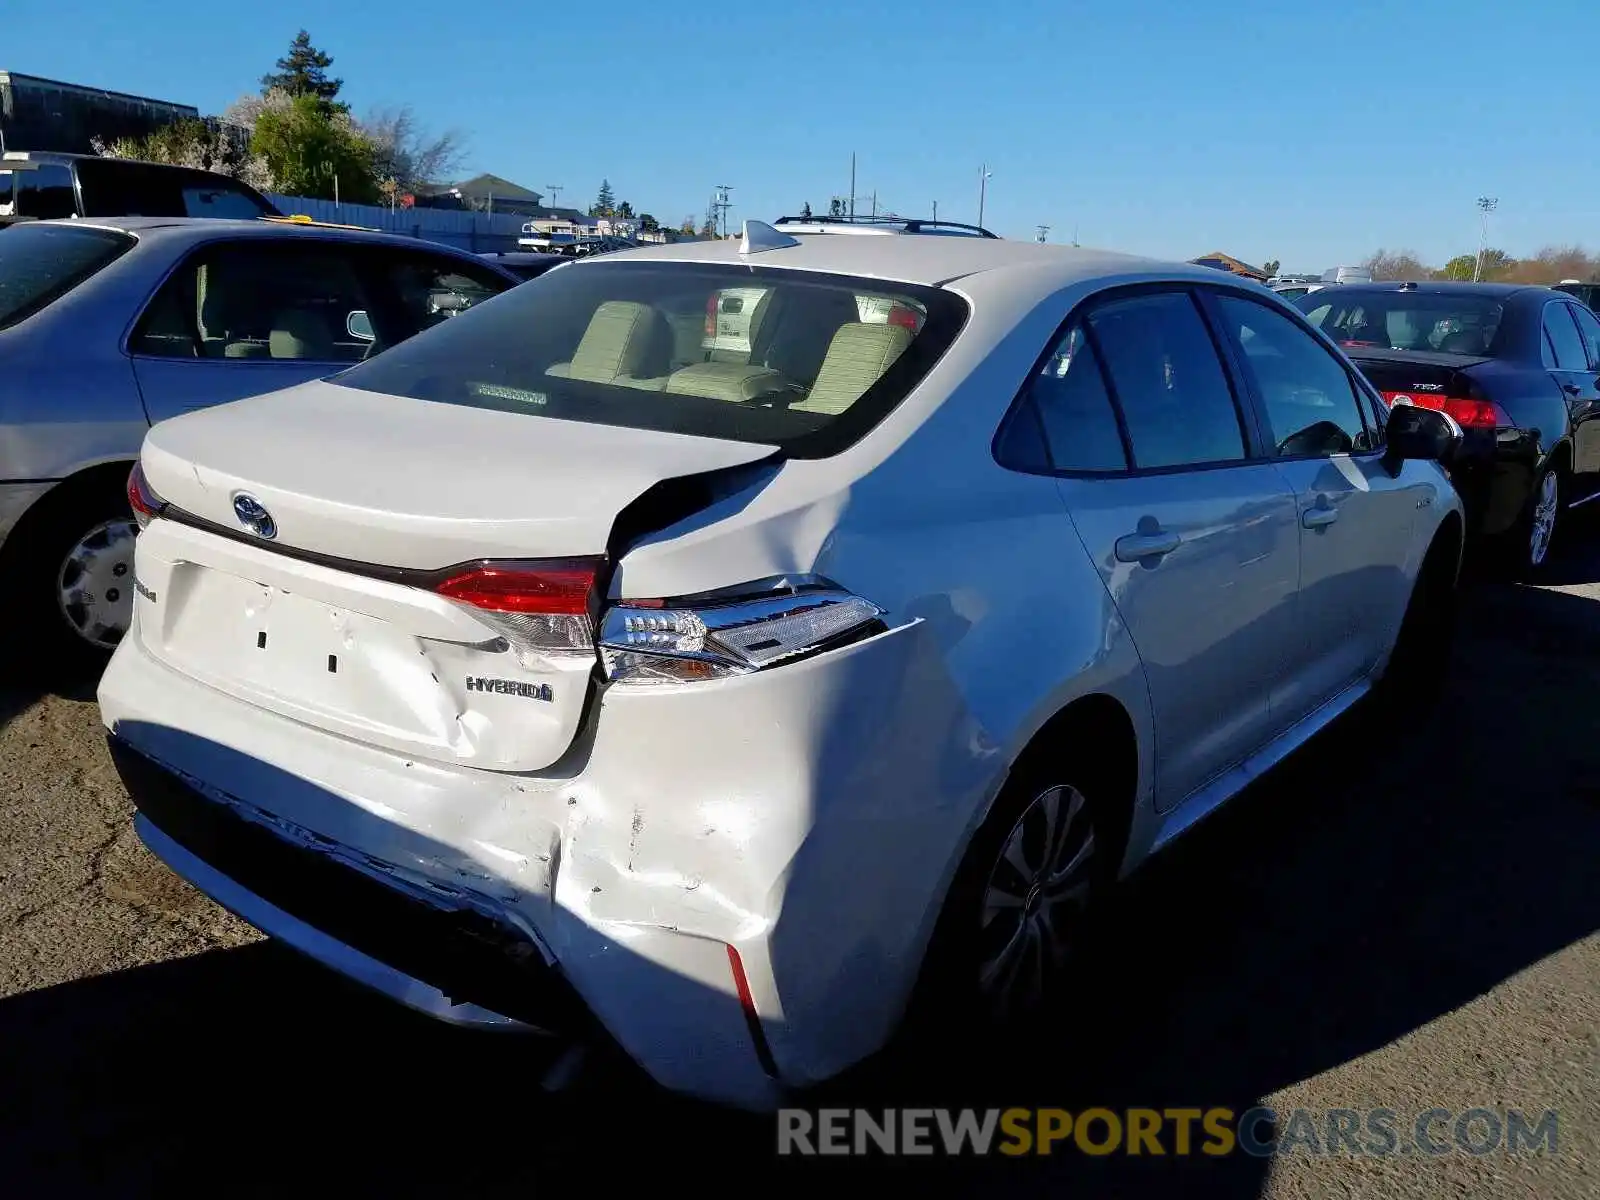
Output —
<point x="411" y="483"/>
<point x="1417" y="372"/>
<point x="338" y="621"/>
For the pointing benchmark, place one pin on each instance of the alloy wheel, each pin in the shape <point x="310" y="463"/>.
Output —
<point x="1034" y="901"/>
<point x="94" y="586"/>
<point x="1546" y="505"/>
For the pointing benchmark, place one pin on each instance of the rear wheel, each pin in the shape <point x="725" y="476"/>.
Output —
<point x="1021" y="909"/>
<point x="1526" y="547"/>
<point x="73" y="596"/>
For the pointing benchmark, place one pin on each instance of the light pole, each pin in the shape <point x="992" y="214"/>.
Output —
<point x="983" y="189"/>
<point x="1486" y="205"/>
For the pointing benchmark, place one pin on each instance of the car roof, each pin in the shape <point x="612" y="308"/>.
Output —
<point x="207" y="228"/>
<point x="1441" y="287"/>
<point x="980" y="263"/>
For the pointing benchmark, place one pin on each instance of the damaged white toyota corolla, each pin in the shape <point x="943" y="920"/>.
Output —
<point x="695" y="647"/>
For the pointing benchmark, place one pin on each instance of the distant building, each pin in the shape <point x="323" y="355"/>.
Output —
<point x="45" y="114"/>
<point x="1226" y="262"/>
<point x="483" y="193"/>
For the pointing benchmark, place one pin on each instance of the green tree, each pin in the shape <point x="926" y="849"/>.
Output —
<point x="625" y="211"/>
<point x="304" y="72"/>
<point x="315" y="153"/>
<point x="1271" y="266"/>
<point x="709" y="229"/>
<point x="649" y="224"/>
<point x="686" y="226"/>
<point x="1497" y="264"/>
<point x="605" y="204"/>
<point x="805" y="211"/>
<point x="836" y="207"/>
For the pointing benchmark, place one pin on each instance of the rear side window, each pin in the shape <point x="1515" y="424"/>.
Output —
<point x="803" y="361"/>
<point x="1065" y="420"/>
<point x="262" y="299"/>
<point x="41" y="263"/>
<point x="1565" y="343"/>
<point x="1165" y="375"/>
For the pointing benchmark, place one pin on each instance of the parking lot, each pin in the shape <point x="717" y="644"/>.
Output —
<point x="1404" y="916"/>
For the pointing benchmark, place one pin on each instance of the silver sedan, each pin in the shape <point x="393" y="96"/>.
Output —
<point x="109" y="325"/>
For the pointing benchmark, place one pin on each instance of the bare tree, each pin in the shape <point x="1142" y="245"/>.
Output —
<point x="407" y="152"/>
<point x="1397" y="265"/>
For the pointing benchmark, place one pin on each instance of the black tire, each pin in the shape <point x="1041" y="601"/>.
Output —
<point x="1420" y="662"/>
<point x="1519" y="553"/>
<point x="43" y="639"/>
<point x="951" y="998"/>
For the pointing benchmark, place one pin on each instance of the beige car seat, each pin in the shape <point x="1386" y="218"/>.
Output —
<point x="857" y="358"/>
<point x="618" y="347"/>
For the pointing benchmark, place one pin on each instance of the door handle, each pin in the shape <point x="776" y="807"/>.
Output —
<point x="1319" y="517"/>
<point x="1137" y="547"/>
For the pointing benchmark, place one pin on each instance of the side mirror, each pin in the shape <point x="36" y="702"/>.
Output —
<point x="1413" y="432"/>
<point x="359" y="326"/>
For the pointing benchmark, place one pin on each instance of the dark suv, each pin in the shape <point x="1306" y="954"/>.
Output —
<point x="44" y="185"/>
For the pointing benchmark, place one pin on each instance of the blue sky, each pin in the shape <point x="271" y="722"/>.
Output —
<point x="1312" y="133"/>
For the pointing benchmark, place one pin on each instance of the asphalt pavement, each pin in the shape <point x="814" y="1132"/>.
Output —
<point x="1406" y="915"/>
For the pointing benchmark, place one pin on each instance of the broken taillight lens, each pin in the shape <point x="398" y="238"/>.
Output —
<point x="142" y="498"/>
<point x="538" y="608"/>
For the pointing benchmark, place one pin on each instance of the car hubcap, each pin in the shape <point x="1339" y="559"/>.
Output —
<point x="1034" y="901"/>
<point x="1544" y="519"/>
<point x="95" y="584"/>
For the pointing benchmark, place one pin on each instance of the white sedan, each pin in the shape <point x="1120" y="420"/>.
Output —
<point x="556" y="669"/>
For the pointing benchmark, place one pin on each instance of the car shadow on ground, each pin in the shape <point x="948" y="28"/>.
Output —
<point x="1388" y="874"/>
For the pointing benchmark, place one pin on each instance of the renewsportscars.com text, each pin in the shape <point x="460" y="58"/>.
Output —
<point x="1153" y="1132"/>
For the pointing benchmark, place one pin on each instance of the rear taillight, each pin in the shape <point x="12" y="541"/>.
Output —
<point x="711" y="313"/>
<point x="1469" y="414"/>
<point x="142" y="498"/>
<point x="733" y="633"/>
<point x="538" y="608"/>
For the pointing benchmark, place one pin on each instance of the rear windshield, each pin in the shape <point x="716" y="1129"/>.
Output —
<point x="805" y="362"/>
<point x="41" y="263"/>
<point x="1405" y="320"/>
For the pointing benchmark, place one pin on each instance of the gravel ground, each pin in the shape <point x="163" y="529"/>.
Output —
<point x="1403" y="916"/>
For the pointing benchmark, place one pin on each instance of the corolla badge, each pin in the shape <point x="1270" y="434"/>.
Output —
<point x="254" y="517"/>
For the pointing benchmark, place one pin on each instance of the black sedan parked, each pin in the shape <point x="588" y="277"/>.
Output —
<point x="1515" y="366"/>
<point x="525" y="265"/>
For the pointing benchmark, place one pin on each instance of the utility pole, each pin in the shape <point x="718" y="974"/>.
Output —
<point x="935" y="212"/>
<point x="1486" y="205"/>
<point x="723" y="205"/>
<point x="852" y="185"/>
<point x="983" y="189"/>
<point x="555" y="190"/>
<point x="1043" y="231"/>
